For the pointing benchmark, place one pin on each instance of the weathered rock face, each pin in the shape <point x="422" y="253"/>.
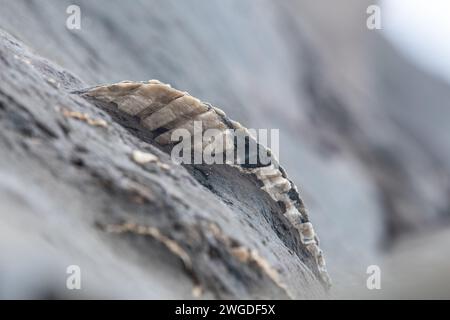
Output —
<point x="71" y="175"/>
<point x="367" y="169"/>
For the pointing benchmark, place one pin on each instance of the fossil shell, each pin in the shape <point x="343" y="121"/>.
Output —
<point x="162" y="109"/>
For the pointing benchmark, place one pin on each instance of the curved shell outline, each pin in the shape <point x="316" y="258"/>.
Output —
<point x="163" y="109"/>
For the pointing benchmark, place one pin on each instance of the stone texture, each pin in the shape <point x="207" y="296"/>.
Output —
<point x="364" y="134"/>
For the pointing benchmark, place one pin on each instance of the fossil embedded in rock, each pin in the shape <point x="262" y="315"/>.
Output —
<point x="163" y="109"/>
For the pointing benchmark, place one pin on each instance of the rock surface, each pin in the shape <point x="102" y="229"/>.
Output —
<point x="371" y="162"/>
<point x="85" y="182"/>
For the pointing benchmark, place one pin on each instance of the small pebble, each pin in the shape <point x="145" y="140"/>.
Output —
<point x="143" y="157"/>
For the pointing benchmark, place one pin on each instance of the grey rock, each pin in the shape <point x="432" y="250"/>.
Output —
<point x="363" y="133"/>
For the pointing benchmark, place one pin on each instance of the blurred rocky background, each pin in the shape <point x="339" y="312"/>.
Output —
<point x="364" y="133"/>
